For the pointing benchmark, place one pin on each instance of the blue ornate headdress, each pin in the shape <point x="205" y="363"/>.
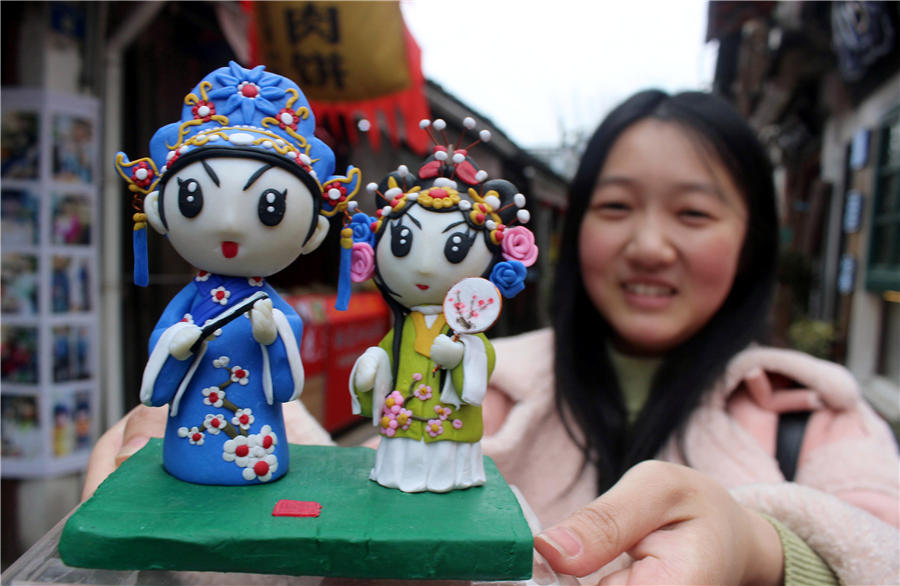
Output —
<point x="241" y="112"/>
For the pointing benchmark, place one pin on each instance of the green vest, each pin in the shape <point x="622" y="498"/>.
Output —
<point x="431" y="419"/>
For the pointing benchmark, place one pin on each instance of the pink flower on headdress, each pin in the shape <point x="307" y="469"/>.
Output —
<point x="362" y="262"/>
<point x="518" y="244"/>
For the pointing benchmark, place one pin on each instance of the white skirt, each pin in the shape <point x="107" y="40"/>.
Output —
<point x="416" y="466"/>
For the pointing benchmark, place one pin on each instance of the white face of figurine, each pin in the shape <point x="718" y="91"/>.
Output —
<point x="424" y="253"/>
<point x="236" y="216"/>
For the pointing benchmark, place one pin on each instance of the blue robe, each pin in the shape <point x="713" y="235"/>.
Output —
<point x="225" y="422"/>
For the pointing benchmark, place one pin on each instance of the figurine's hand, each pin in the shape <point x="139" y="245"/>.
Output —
<point x="180" y="346"/>
<point x="677" y="525"/>
<point x="446" y="353"/>
<point x="364" y="377"/>
<point x="264" y="330"/>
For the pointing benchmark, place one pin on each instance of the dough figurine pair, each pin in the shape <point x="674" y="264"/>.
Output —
<point x="240" y="186"/>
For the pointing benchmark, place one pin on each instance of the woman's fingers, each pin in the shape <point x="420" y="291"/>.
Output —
<point x="120" y="441"/>
<point x="141" y="424"/>
<point x="641" y="502"/>
<point x="676" y="524"/>
<point x="102" y="461"/>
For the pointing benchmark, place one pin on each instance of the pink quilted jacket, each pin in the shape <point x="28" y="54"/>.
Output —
<point x="844" y="501"/>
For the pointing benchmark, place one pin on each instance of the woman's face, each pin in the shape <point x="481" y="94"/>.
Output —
<point x="423" y="253"/>
<point x="660" y="241"/>
<point x="237" y="216"/>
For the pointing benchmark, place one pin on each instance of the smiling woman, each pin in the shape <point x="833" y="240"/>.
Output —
<point x="651" y="390"/>
<point x="659" y="249"/>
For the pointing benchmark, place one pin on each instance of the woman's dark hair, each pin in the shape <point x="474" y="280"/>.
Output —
<point x="587" y="390"/>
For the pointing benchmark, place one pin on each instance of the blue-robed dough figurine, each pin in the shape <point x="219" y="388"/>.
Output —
<point x="241" y="187"/>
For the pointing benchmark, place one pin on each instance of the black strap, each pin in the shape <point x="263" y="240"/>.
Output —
<point x="791" y="427"/>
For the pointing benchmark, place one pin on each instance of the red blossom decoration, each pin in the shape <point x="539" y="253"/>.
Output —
<point x="293" y="116"/>
<point x="142" y="179"/>
<point x="204" y="110"/>
<point x="334" y="185"/>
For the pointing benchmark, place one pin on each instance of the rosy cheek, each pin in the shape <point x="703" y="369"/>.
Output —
<point x="595" y="248"/>
<point x="714" y="265"/>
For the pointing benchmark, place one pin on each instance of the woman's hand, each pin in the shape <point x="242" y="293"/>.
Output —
<point x="120" y="441"/>
<point x="678" y="527"/>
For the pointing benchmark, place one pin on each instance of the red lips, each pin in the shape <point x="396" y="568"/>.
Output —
<point x="229" y="249"/>
<point x="421" y="286"/>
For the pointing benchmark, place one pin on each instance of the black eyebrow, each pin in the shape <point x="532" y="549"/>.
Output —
<point x="414" y="220"/>
<point x="210" y="172"/>
<point x="256" y="175"/>
<point x="453" y="225"/>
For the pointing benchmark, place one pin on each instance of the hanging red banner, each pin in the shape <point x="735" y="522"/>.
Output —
<point x="353" y="60"/>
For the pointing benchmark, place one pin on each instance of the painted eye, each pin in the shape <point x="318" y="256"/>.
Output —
<point x="271" y="206"/>
<point x="190" y="197"/>
<point x="457" y="246"/>
<point x="401" y="240"/>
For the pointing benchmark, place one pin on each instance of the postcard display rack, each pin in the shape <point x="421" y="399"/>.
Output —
<point x="50" y="267"/>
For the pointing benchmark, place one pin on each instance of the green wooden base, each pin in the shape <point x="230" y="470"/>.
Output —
<point x="142" y="518"/>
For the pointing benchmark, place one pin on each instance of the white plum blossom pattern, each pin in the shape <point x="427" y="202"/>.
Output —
<point x="188" y="318"/>
<point x="253" y="453"/>
<point x="262" y="469"/>
<point x="194" y="435"/>
<point x="220" y="295"/>
<point x="214" y="423"/>
<point x="255" y="281"/>
<point x="213" y="396"/>
<point x="266" y="439"/>
<point x="238" y="450"/>
<point x="243" y="418"/>
<point x="240" y="375"/>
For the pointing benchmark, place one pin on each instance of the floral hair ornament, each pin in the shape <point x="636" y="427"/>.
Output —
<point x="449" y="180"/>
<point x="241" y="112"/>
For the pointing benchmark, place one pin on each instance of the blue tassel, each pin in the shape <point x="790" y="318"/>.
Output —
<point x="343" y="294"/>
<point x="139" y="242"/>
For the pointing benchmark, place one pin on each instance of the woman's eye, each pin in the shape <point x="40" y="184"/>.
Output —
<point x="401" y="240"/>
<point x="611" y="208"/>
<point x="190" y="197"/>
<point x="457" y="246"/>
<point x="694" y="214"/>
<point x="271" y="206"/>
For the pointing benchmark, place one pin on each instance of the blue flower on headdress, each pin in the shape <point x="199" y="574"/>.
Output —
<point x="509" y="277"/>
<point x="360" y="223"/>
<point x="248" y="89"/>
